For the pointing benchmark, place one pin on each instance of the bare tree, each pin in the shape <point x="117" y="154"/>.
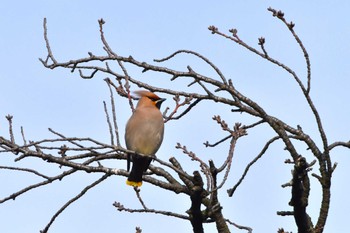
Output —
<point x="201" y="187"/>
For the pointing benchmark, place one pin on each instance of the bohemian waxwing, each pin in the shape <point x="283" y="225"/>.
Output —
<point x="143" y="134"/>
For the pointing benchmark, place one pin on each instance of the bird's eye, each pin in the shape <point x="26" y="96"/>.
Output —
<point x="153" y="99"/>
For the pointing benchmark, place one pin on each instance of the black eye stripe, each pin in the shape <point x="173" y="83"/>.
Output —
<point x="153" y="99"/>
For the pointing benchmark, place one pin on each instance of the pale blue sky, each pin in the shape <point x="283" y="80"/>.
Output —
<point x="40" y="98"/>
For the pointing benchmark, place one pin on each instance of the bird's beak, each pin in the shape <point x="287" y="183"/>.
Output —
<point x="159" y="102"/>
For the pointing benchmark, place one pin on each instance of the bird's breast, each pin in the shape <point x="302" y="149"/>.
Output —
<point x="144" y="133"/>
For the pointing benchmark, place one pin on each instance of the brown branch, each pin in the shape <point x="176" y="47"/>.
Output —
<point x="120" y="207"/>
<point x="250" y="230"/>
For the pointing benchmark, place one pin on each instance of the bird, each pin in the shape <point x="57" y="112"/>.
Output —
<point x="144" y="133"/>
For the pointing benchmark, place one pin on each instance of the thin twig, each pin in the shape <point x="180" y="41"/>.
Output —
<point x="50" y="54"/>
<point x="290" y="26"/>
<point x="45" y="230"/>
<point x="30" y="187"/>
<point x="23" y="137"/>
<point x="228" y="162"/>
<point x="204" y="167"/>
<point x="217" y="70"/>
<point x="109" y="123"/>
<point x="113" y="55"/>
<point x="114" y="114"/>
<point x="9" y="119"/>
<point x="250" y="230"/>
<point x="207" y="144"/>
<point x="232" y="190"/>
<point x="120" y="207"/>
<point x="137" y="191"/>
<point x="26" y="170"/>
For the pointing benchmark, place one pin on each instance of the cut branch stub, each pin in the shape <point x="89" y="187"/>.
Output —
<point x="196" y="195"/>
<point x="300" y="195"/>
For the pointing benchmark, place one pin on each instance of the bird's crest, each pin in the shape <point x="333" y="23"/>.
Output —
<point x="148" y="94"/>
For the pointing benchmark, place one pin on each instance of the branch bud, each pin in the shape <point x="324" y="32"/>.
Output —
<point x="213" y="29"/>
<point x="261" y="41"/>
<point x="291" y="25"/>
<point x="233" y="31"/>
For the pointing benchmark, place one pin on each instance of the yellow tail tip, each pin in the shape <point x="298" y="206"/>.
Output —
<point x="134" y="183"/>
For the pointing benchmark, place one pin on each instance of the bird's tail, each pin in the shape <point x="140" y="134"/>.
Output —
<point x="139" y="165"/>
